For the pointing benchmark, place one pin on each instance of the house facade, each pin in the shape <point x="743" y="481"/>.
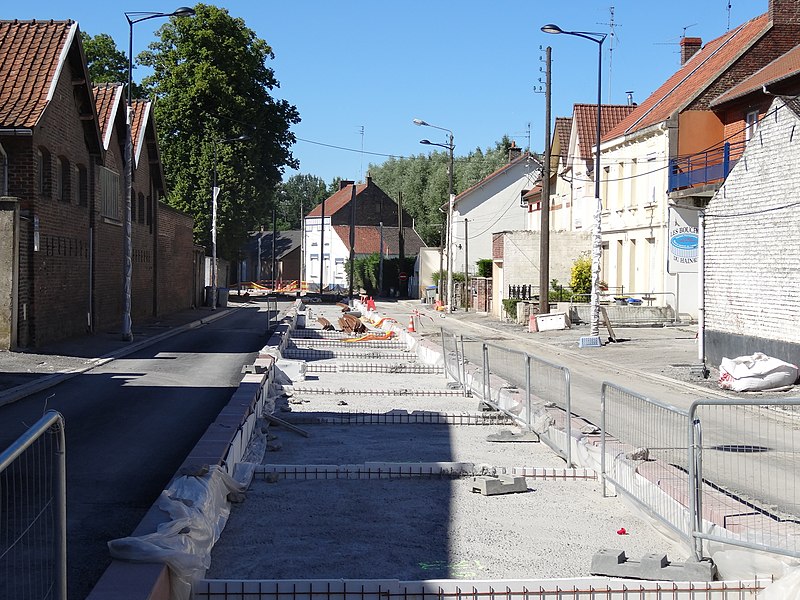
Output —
<point x="493" y="204"/>
<point x="368" y="209"/>
<point x="750" y="229"/>
<point x="650" y="160"/>
<point x="62" y="147"/>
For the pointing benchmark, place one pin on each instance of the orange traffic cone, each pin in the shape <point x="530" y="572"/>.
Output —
<point x="411" y="325"/>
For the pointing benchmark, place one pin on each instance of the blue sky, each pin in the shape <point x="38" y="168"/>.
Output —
<point x="470" y="66"/>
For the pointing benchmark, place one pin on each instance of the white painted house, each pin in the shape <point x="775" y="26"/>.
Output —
<point x="491" y="205"/>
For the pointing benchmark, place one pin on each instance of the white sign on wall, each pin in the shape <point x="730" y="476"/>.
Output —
<point x="683" y="241"/>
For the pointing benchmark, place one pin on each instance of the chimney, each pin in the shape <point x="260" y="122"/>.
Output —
<point x="689" y="47"/>
<point x="369" y="179"/>
<point x="514" y="152"/>
<point x="784" y="12"/>
<point x="344" y="183"/>
<point x="629" y="94"/>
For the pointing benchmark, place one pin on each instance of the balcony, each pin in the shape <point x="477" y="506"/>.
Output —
<point x="704" y="171"/>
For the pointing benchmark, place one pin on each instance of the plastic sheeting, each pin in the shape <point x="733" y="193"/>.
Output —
<point x="198" y="508"/>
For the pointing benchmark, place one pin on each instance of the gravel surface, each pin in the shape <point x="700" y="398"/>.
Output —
<point x="415" y="528"/>
<point x="424" y="529"/>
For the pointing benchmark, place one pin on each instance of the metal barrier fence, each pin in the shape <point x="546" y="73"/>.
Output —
<point x="272" y="312"/>
<point x="640" y="423"/>
<point x="532" y="378"/>
<point x="725" y="470"/>
<point x="747" y="453"/>
<point x="33" y="513"/>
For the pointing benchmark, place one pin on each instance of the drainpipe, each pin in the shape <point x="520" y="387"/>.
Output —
<point x="701" y="283"/>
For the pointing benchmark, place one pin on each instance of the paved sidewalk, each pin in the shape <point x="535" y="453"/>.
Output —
<point x="26" y="372"/>
<point x="663" y="354"/>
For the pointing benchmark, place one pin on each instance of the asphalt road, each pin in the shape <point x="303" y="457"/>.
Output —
<point x="129" y="425"/>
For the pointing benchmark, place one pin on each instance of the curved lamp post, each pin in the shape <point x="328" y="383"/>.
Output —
<point x="127" y="245"/>
<point x="214" y="195"/>
<point x="451" y="197"/>
<point x="597" y="243"/>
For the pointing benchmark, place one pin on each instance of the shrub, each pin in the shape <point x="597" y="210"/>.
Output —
<point x="484" y="267"/>
<point x="510" y="306"/>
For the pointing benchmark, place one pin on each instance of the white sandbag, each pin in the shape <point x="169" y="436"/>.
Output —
<point x="756" y="372"/>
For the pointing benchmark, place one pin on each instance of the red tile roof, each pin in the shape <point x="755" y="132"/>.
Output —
<point x="779" y="69"/>
<point x="31" y="57"/>
<point x="562" y="132"/>
<point x="141" y="114"/>
<point x="525" y="156"/>
<point x="692" y="78"/>
<point x="107" y="100"/>
<point x="368" y="239"/>
<point x="336" y="202"/>
<point x="585" y="122"/>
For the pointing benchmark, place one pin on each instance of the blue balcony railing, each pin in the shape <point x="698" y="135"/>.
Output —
<point x="705" y="167"/>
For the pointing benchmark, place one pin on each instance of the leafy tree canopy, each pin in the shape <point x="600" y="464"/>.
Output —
<point x="211" y="86"/>
<point x="106" y="63"/>
<point x="297" y="196"/>
<point x="423" y="181"/>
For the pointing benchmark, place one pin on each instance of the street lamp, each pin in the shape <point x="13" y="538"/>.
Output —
<point x="451" y="198"/>
<point x="593" y="339"/>
<point x="127" y="245"/>
<point x="214" y="194"/>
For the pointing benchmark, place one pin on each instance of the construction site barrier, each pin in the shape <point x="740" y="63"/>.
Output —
<point x="723" y="471"/>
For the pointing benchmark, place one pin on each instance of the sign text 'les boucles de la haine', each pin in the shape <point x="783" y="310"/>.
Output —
<point x="683" y="241"/>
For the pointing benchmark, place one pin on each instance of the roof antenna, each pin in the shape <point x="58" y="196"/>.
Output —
<point x="729" y="16"/>
<point x="362" y="153"/>
<point x="613" y="40"/>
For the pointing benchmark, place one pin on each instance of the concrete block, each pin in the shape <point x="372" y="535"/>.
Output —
<point x="502" y="484"/>
<point x="655" y="567"/>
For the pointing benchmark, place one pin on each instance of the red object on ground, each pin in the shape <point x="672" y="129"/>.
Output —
<point x="621" y="531"/>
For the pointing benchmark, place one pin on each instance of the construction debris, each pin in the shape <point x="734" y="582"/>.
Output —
<point x="286" y="424"/>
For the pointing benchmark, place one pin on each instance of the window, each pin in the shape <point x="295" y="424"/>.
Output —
<point x="110" y="194"/>
<point x="133" y="208"/>
<point x="315" y="257"/>
<point x="43" y="172"/>
<point x="63" y="179"/>
<point x="751" y="123"/>
<point x="83" y="186"/>
<point x="141" y="209"/>
<point x="149" y="211"/>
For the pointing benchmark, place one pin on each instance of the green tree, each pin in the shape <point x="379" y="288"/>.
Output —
<point x="299" y="190"/>
<point x="423" y="180"/>
<point x="212" y="84"/>
<point x="107" y="64"/>
<point x="581" y="275"/>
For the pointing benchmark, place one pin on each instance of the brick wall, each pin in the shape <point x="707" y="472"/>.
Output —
<point x="175" y="260"/>
<point x="752" y="245"/>
<point x="54" y="280"/>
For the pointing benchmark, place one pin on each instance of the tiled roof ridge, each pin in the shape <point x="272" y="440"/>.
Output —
<point x="782" y="67"/>
<point x="692" y="66"/>
<point x="37" y="21"/>
<point x="527" y="155"/>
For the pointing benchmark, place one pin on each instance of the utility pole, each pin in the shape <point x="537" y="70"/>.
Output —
<point x="322" y="249"/>
<point x="302" y="246"/>
<point x="544" y="205"/>
<point x="466" y="267"/>
<point x="274" y="235"/>
<point x="401" y="243"/>
<point x="352" y="238"/>
<point x="380" y="262"/>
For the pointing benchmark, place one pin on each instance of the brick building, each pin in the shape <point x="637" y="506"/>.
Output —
<point x="750" y="227"/>
<point x="62" y="145"/>
<point x="367" y="206"/>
